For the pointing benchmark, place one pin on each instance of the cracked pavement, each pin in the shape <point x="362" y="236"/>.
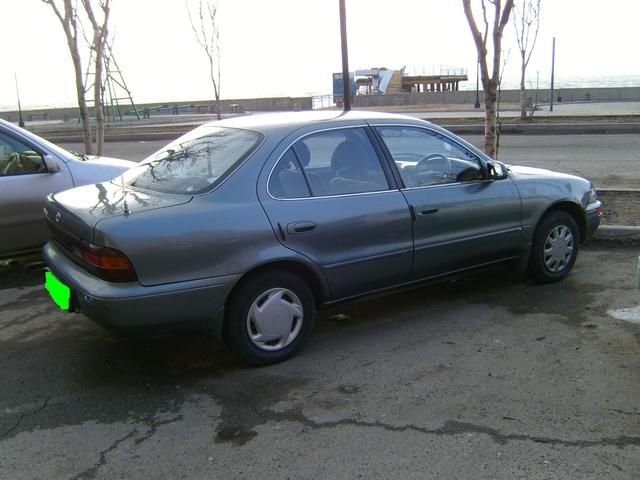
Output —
<point x="484" y="376"/>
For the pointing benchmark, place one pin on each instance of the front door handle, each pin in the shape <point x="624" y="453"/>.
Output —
<point x="424" y="210"/>
<point x="300" y="227"/>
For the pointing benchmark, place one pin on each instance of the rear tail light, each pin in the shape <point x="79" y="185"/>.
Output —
<point x="106" y="263"/>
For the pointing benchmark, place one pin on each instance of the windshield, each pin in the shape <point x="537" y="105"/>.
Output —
<point x="194" y="163"/>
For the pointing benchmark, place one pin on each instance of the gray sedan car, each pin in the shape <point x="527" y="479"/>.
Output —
<point x="245" y="227"/>
<point x="30" y="169"/>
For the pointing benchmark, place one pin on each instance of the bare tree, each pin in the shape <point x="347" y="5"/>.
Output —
<point x="68" y="16"/>
<point x="100" y="32"/>
<point x="505" y="60"/>
<point x="207" y="33"/>
<point x="490" y="81"/>
<point x="526" y="21"/>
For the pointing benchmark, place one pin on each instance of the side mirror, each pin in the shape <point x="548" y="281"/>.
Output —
<point x="51" y="164"/>
<point x="497" y="170"/>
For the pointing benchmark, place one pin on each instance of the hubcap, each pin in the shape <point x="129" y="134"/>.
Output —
<point x="558" y="248"/>
<point x="275" y="319"/>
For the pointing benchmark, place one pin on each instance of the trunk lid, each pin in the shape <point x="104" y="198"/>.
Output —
<point x="73" y="214"/>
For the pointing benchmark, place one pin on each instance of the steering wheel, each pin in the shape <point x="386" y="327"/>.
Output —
<point x="432" y="169"/>
<point x="13" y="164"/>
<point x="434" y="162"/>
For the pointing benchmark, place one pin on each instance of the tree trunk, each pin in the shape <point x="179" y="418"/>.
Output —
<point x="97" y="94"/>
<point x="82" y="102"/>
<point x="523" y="92"/>
<point x="216" y="89"/>
<point x="490" y="118"/>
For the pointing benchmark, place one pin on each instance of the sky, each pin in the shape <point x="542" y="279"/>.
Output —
<point x="291" y="47"/>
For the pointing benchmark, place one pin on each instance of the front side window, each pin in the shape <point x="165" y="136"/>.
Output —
<point x="16" y="158"/>
<point x="194" y="163"/>
<point x="424" y="157"/>
<point x="335" y="162"/>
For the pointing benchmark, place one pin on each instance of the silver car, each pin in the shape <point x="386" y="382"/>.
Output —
<point x="30" y="169"/>
<point x="245" y="227"/>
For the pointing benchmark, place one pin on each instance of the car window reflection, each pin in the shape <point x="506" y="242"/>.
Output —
<point x="194" y="165"/>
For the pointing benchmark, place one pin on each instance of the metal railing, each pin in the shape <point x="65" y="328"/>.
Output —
<point x="319" y="102"/>
<point x="444" y="70"/>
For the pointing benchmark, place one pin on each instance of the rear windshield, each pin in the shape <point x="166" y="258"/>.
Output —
<point x="194" y="163"/>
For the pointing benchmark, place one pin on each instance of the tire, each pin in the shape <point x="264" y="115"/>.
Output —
<point x="554" y="248"/>
<point x="269" y="318"/>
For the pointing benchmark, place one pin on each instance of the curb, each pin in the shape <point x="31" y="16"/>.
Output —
<point x="549" y="129"/>
<point x="120" y="137"/>
<point x="617" y="234"/>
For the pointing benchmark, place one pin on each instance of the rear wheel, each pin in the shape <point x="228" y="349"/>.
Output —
<point x="554" y="248"/>
<point x="269" y="318"/>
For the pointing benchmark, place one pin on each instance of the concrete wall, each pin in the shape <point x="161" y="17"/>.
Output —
<point x="306" y="103"/>
<point x="274" y="104"/>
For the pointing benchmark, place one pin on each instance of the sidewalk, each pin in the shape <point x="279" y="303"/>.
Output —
<point x="563" y="109"/>
<point x="565" y="119"/>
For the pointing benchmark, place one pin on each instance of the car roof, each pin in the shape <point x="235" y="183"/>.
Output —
<point x="271" y="122"/>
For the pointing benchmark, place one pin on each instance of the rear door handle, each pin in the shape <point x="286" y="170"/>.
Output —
<point x="422" y="210"/>
<point x="300" y="227"/>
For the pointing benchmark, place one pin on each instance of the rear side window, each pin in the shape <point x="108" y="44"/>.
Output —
<point x="335" y="162"/>
<point x="287" y="179"/>
<point x="196" y="162"/>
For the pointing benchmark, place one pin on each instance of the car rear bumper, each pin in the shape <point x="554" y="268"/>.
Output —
<point x="132" y="308"/>
<point x="594" y="216"/>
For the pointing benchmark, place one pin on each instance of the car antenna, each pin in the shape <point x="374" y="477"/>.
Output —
<point x="125" y="205"/>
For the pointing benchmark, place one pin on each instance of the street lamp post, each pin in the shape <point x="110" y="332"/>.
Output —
<point x="477" y="104"/>
<point x="553" y="69"/>
<point x="20" y="120"/>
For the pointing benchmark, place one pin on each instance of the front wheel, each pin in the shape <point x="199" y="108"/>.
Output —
<point x="269" y="318"/>
<point x="554" y="248"/>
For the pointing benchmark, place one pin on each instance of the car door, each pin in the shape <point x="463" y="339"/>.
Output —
<point x="329" y="197"/>
<point x="462" y="218"/>
<point x="24" y="185"/>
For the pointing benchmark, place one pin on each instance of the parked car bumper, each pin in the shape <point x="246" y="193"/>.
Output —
<point x="594" y="215"/>
<point x="133" y="308"/>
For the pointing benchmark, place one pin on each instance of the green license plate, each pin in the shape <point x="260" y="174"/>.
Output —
<point x="59" y="292"/>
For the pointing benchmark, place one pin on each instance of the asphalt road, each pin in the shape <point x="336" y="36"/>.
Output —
<point x="484" y="377"/>
<point x="611" y="161"/>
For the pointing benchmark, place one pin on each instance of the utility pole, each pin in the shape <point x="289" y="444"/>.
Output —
<point x="20" y="120"/>
<point x="346" y="87"/>
<point x="553" y="68"/>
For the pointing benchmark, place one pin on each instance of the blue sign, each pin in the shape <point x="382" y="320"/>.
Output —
<point x="337" y="83"/>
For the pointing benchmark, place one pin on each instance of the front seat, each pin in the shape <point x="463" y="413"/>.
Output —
<point x="349" y="162"/>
